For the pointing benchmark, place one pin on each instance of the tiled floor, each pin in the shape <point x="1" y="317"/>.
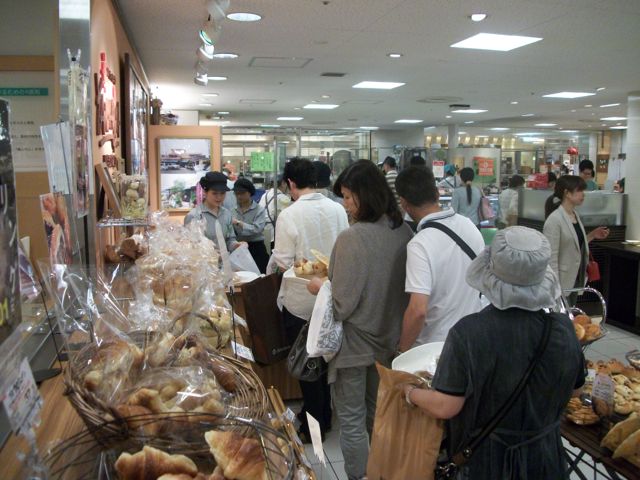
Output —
<point x="616" y="343"/>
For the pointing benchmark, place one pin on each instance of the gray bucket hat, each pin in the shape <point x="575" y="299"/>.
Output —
<point x="514" y="271"/>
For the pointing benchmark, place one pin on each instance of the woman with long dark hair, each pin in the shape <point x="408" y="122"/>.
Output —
<point x="367" y="274"/>
<point x="466" y="199"/>
<point x="566" y="234"/>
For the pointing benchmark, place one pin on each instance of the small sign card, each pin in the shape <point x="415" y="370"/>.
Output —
<point x="242" y="351"/>
<point x="21" y="399"/>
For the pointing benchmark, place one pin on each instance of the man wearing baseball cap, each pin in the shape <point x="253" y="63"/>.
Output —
<point x="211" y="210"/>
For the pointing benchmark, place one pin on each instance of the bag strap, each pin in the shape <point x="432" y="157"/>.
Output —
<point x="465" y="453"/>
<point x="454" y="236"/>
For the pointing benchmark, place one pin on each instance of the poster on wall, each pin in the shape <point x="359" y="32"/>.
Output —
<point x="9" y="265"/>
<point x="183" y="161"/>
<point x="136" y="118"/>
<point x="57" y="228"/>
<point x="438" y="168"/>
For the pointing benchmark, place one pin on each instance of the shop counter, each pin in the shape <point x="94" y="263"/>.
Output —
<point x="587" y="440"/>
<point x="620" y="284"/>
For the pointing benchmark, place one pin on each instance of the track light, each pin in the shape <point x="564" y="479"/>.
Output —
<point x="205" y="52"/>
<point x="210" y="31"/>
<point x="201" y="69"/>
<point x="201" y="80"/>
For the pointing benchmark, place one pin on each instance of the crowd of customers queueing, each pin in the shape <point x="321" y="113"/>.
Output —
<point x="393" y="290"/>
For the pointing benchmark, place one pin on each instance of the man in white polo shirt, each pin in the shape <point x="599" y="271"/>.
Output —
<point x="436" y="263"/>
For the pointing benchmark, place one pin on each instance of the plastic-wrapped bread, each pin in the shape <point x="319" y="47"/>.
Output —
<point x="153" y="463"/>
<point x="240" y="458"/>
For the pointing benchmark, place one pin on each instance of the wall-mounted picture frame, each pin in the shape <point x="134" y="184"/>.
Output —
<point x="136" y="120"/>
<point x="182" y="162"/>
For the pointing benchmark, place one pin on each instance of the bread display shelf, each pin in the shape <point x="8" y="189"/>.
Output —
<point x="586" y="337"/>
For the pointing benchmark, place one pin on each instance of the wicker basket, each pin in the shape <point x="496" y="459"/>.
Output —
<point x="80" y="457"/>
<point x="249" y="400"/>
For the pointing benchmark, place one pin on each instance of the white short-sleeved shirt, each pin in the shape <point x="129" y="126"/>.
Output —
<point x="437" y="267"/>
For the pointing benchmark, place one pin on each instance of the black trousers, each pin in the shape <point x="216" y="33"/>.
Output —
<point x="258" y="251"/>
<point x="316" y="395"/>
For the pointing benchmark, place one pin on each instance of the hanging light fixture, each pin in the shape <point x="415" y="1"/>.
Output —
<point x="205" y="52"/>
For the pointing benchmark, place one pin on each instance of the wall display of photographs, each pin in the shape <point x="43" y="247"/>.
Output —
<point x="10" y="314"/>
<point x="183" y="161"/>
<point x="57" y="227"/>
<point x="136" y="119"/>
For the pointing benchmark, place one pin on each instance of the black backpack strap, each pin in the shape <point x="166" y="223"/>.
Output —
<point x="454" y="236"/>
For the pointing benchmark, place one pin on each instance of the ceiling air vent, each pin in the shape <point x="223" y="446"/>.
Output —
<point x="456" y="106"/>
<point x="333" y="74"/>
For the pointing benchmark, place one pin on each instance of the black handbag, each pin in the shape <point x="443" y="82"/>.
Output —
<point x="448" y="470"/>
<point x="299" y="364"/>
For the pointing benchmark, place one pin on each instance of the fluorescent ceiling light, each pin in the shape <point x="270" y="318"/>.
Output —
<point x="407" y="120"/>
<point x="513" y="103"/>
<point x="569" y="131"/>
<point x="378" y="85"/>
<point x="546" y="124"/>
<point x="223" y="113"/>
<point x="499" y="129"/>
<point x="209" y="94"/>
<point x="613" y="119"/>
<point x="291" y="119"/>
<point x="599" y="89"/>
<point x="532" y="139"/>
<point x="368" y="128"/>
<point x="492" y="41"/>
<point x="206" y="104"/>
<point x="468" y="110"/>
<point x="266" y="125"/>
<point x="469" y="122"/>
<point x="609" y="105"/>
<point x="527" y="115"/>
<point x="325" y="96"/>
<point x="527" y="134"/>
<point x="447" y="116"/>
<point x="75" y="9"/>
<point x="321" y="106"/>
<point x="394" y="55"/>
<point x="569" y="95"/>
<point x="619" y="128"/>
<point x="478" y="17"/>
<point x="217" y="79"/>
<point x="225" y="55"/>
<point x="244" y="17"/>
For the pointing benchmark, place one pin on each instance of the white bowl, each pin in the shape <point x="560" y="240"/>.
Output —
<point x="419" y="359"/>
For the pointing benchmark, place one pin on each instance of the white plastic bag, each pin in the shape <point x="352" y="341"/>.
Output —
<point x="242" y="261"/>
<point x="325" y="333"/>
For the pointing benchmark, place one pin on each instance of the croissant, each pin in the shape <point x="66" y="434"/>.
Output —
<point x="158" y="353"/>
<point x="132" y="413"/>
<point x="620" y="432"/>
<point x="146" y="397"/>
<point x="240" y="458"/>
<point x="217" y="474"/>
<point x="224" y="375"/>
<point x="151" y="463"/>
<point x="629" y="449"/>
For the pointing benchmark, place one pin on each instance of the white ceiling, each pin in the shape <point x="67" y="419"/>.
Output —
<point x="586" y="44"/>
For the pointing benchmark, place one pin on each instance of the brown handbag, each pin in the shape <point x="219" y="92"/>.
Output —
<point x="264" y="318"/>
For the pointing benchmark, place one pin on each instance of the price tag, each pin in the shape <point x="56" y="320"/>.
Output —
<point x="289" y="415"/>
<point x="591" y="375"/>
<point x="21" y="399"/>
<point x="602" y="395"/>
<point x="242" y="351"/>
<point x="316" y="438"/>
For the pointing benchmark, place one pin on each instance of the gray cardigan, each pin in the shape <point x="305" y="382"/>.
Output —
<point x="367" y="276"/>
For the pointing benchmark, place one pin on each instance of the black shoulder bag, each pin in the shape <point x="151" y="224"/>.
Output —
<point x="454" y="236"/>
<point x="449" y="469"/>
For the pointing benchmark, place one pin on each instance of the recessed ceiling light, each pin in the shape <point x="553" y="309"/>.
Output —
<point x="447" y="116"/>
<point x="599" y="89"/>
<point x="209" y="94"/>
<point x="573" y="111"/>
<point x="513" y="103"/>
<point x="478" y="17"/>
<point x="217" y="79"/>
<point x="223" y="113"/>
<point x="527" y="115"/>
<point x="569" y="131"/>
<point x="609" y="105"/>
<point x="408" y="120"/>
<point x="613" y="119"/>
<point x="546" y="124"/>
<point x="291" y="119"/>
<point x="492" y="41"/>
<point x="588" y="106"/>
<point x="378" y="85"/>
<point x="394" y="55"/>
<point x="462" y="133"/>
<point x="244" y="17"/>
<point x="325" y="96"/>
<point x="568" y="95"/>
<point x="266" y="125"/>
<point x="468" y="110"/>
<point x="619" y="128"/>
<point x="225" y="55"/>
<point x="206" y="104"/>
<point x="500" y="129"/>
<point x="321" y="106"/>
<point x="369" y="128"/>
<point x="297" y="108"/>
<point x="469" y="122"/>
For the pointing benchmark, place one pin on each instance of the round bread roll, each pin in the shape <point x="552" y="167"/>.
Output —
<point x="583" y="320"/>
<point x="615" y="365"/>
<point x="592" y="331"/>
<point x="624" y="408"/>
<point x="580" y="332"/>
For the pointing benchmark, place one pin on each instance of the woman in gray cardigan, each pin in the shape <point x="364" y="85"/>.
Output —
<point x="367" y="273"/>
<point x="566" y="234"/>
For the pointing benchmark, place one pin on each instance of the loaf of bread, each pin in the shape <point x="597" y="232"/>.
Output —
<point x="153" y="463"/>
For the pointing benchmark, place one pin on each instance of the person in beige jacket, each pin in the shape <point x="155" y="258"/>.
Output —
<point x="566" y="234"/>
